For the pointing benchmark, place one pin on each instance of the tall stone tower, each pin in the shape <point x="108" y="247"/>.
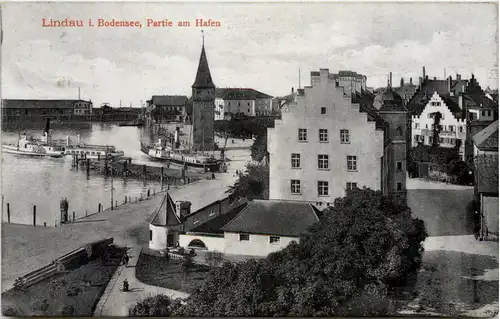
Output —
<point x="392" y="110"/>
<point x="203" y="91"/>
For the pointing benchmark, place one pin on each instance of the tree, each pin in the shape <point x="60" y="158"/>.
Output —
<point x="253" y="184"/>
<point x="344" y="265"/>
<point x="436" y="129"/>
<point x="157" y="306"/>
<point x="461" y="171"/>
<point x="259" y="147"/>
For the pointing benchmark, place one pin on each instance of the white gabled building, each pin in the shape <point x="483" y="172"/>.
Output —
<point x="230" y="102"/>
<point x="453" y="126"/>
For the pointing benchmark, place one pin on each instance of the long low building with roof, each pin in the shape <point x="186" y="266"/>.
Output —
<point x="241" y="228"/>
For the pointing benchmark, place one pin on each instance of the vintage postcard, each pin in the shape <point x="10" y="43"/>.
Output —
<point x="208" y="159"/>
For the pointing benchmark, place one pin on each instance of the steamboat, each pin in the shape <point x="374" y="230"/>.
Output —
<point x="91" y="151"/>
<point x="172" y="153"/>
<point x="29" y="146"/>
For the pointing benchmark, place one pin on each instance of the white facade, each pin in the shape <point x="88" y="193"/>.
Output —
<point x="225" y="108"/>
<point x="158" y="237"/>
<point x="256" y="245"/>
<point x="341" y="148"/>
<point x="83" y="108"/>
<point x="452" y="129"/>
<point x="233" y="244"/>
<point x="213" y="243"/>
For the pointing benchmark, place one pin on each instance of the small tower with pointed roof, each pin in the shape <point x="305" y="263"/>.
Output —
<point x="391" y="109"/>
<point x="203" y="95"/>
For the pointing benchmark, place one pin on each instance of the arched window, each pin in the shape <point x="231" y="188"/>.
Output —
<point x="399" y="131"/>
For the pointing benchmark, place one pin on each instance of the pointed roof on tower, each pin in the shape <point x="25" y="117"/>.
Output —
<point x="203" y="77"/>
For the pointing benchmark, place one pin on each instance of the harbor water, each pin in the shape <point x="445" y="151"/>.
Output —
<point x="29" y="181"/>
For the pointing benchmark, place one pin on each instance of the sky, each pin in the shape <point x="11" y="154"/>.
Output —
<point x="258" y="45"/>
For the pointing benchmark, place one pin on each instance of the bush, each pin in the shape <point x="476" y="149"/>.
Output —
<point x="10" y="312"/>
<point x="187" y="262"/>
<point x="213" y="258"/>
<point x="157" y="306"/>
<point x="73" y="291"/>
<point x="67" y="310"/>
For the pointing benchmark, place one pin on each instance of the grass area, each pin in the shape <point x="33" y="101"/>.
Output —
<point x="169" y="274"/>
<point x="57" y="295"/>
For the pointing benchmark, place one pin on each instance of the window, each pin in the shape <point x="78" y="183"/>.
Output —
<point x="352" y="163"/>
<point x="302" y="135"/>
<point x="351" y="185"/>
<point x="441" y="140"/>
<point x="323" y="110"/>
<point x="196" y="221"/>
<point x="482" y="113"/>
<point x="248" y="103"/>
<point x="295" y="186"/>
<point x="244" y="237"/>
<point x="416" y="138"/>
<point x="461" y="129"/>
<point x="399" y="186"/>
<point x="150" y="235"/>
<point x="322" y="188"/>
<point x="295" y="160"/>
<point x="344" y="136"/>
<point x="430" y="139"/>
<point x="426" y="126"/>
<point x="323" y="135"/>
<point x="238" y="103"/>
<point x="489" y="113"/>
<point x="451" y="128"/>
<point x="274" y="239"/>
<point x="399" y="166"/>
<point x="323" y="161"/>
<point x="452" y="141"/>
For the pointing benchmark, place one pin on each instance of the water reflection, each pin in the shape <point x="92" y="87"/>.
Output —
<point x="43" y="182"/>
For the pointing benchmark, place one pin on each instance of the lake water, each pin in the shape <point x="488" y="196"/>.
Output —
<point x="28" y="181"/>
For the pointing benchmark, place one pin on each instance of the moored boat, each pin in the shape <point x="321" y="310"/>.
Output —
<point x="31" y="147"/>
<point x="90" y="151"/>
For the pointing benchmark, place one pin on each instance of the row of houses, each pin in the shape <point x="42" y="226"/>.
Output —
<point x="318" y="150"/>
<point x="463" y="107"/>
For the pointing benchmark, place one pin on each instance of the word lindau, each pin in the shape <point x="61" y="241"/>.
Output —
<point x="51" y="23"/>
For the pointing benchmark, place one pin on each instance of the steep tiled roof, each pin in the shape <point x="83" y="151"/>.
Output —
<point x="214" y="226"/>
<point x="42" y="104"/>
<point x="274" y="217"/>
<point x="169" y="100"/>
<point x="164" y="214"/>
<point x="419" y="100"/>
<point x="388" y="100"/>
<point x="203" y="76"/>
<point x="487" y="173"/>
<point x="487" y="139"/>
<point x="239" y="94"/>
<point x="365" y="101"/>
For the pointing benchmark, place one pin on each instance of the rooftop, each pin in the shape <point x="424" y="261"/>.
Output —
<point x="169" y="100"/>
<point x="239" y="94"/>
<point x="487" y="139"/>
<point x="274" y="217"/>
<point x="165" y="213"/>
<point x="214" y="225"/>
<point x="33" y="104"/>
<point x="487" y="173"/>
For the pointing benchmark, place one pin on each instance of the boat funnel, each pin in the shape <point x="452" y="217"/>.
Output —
<point x="176" y="137"/>
<point x="67" y="140"/>
<point x="47" y="126"/>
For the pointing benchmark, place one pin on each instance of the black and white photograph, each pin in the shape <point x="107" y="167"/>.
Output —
<point x="249" y="159"/>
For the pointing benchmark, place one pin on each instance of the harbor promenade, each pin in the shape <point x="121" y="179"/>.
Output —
<point x="26" y="248"/>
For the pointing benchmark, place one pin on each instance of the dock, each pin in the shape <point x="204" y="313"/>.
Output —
<point x="126" y="168"/>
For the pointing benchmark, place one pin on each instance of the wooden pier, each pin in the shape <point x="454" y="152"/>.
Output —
<point x="124" y="167"/>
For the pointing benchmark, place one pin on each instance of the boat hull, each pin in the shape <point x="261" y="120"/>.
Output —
<point x="15" y="150"/>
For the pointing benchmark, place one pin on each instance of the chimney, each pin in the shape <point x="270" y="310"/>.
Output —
<point x="435" y="78"/>
<point x="460" y="101"/>
<point x="420" y="80"/>
<point x="402" y="83"/>
<point x="423" y="72"/>
<point x="449" y="84"/>
<point x="426" y="77"/>
<point x="292" y="90"/>
<point x="390" y="79"/>
<point x="411" y="81"/>
<point x="459" y="77"/>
